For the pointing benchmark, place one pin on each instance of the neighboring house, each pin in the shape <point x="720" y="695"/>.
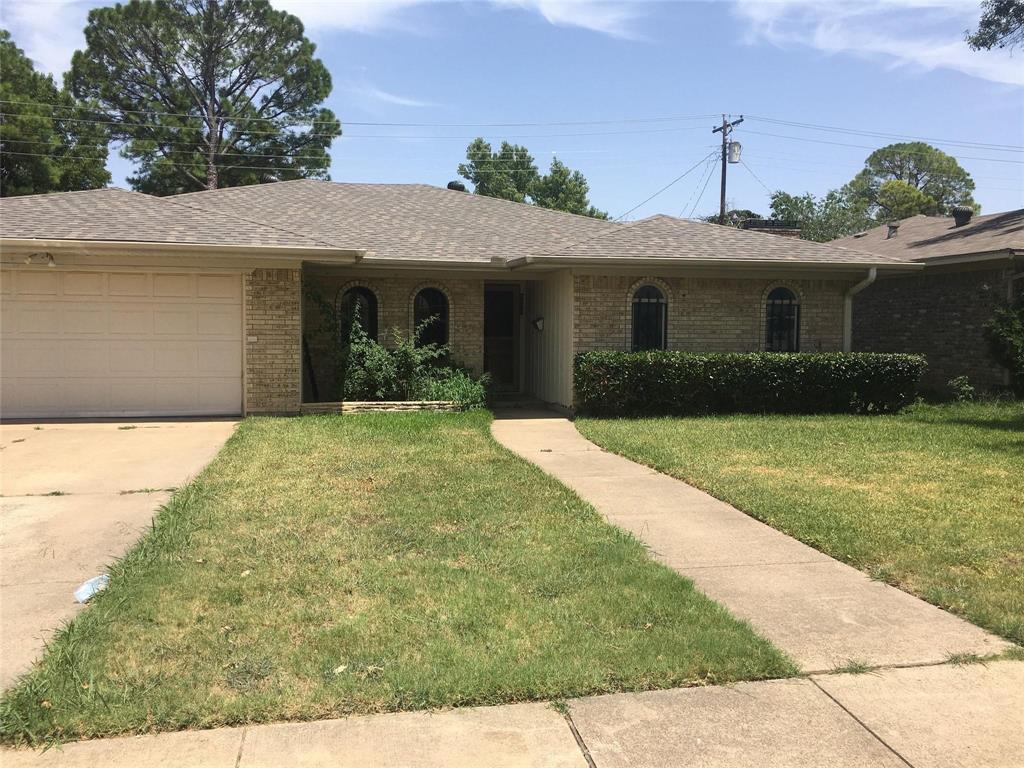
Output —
<point x="117" y="303"/>
<point x="971" y="265"/>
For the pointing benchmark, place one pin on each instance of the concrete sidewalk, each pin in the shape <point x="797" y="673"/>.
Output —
<point x="925" y="717"/>
<point x="823" y="613"/>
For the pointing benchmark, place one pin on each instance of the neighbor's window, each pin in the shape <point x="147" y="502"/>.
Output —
<point x="362" y="303"/>
<point x="431" y="303"/>
<point x="782" y="321"/>
<point x="650" y="318"/>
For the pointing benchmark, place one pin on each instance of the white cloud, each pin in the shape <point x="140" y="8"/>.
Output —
<point x="920" y="34"/>
<point x="374" y="95"/>
<point x="50" y="31"/>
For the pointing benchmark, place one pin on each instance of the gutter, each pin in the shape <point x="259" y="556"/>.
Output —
<point x="25" y="245"/>
<point x="848" y="307"/>
<point x="644" y="262"/>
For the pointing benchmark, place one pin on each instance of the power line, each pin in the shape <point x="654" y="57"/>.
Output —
<point x="881" y="135"/>
<point x="671" y="118"/>
<point x="758" y="178"/>
<point x="863" y="146"/>
<point x="707" y="180"/>
<point x="674" y="181"/>
<point x="708" y="166"/>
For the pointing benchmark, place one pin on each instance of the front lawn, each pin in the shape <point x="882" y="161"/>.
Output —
<point x="930" y="500"/>
<point x="328" y="565"/>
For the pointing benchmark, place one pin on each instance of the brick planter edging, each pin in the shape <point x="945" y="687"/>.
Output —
<point x="380" y="406"/>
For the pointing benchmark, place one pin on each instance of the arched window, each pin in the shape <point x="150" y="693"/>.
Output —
<point x="650" y="318"/>
<point x="782" y="321"/>
<point x="431" y="304"/>
<point x="360" y="302"/>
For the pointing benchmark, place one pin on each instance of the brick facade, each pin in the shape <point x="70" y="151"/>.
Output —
<point x="272" y="350"/>
<point x="705" y="314"/>
<point x="938" y="314"/>
<point x="395" y="294"/>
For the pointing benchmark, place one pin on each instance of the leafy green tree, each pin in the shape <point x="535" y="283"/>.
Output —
<point x="512" y="174"/>
<point x="509" y="173"/>
<point x="43" y="147"/>
<point x="563" y="189"/>
<point x="899" y="200"/>
<point x="1005" y="336"/>
<point x="1001" y="25"/>
<point x="821" y="219"/>
<point x="939" y="178"/>
<point x="734" y="217"/>
<point x="208" y="93"/>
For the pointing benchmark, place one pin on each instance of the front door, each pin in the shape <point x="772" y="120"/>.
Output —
<point x="501" y="336"/>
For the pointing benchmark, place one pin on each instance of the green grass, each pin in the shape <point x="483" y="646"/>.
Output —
<point x="329" y="565"/>
<point x="930" y="500"/>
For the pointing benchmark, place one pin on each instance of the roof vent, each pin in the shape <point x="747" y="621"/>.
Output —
<point x="962" y="214"/>
<point x="457" y="186"/>
<point x="894" y="228"/>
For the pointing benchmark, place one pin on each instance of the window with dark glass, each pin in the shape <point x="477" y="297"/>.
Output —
<point x="650" y="319"/>
<point x="359" y="302"/>
<point x="431" y="304"/>
<point x="782" y="321"/>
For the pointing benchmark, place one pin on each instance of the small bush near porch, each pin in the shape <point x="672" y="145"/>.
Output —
<point x="329" y="565"/>
<point x="930" y="500"/>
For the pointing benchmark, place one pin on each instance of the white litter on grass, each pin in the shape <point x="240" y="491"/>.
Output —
<point x="89" y="588"/>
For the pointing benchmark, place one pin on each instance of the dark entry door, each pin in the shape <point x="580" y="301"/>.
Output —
<point x="501" y="336"/>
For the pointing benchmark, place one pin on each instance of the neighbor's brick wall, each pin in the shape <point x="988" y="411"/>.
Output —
<point x="937" y="314"/>
<point x="705" y="314"/>
<point x="394" y="311"/>
<point x="272" y="352"/>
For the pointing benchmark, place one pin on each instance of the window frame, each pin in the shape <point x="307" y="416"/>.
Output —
<point x="371" y="325"/>
<point x="785" y="311"/>
<point x="636" y="303"/>
<point x="446" y="318"/>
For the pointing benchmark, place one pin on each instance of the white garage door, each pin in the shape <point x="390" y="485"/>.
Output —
<point x="119" y="344"/>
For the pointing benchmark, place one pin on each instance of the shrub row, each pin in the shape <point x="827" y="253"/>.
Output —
<point x="682" y="383"/>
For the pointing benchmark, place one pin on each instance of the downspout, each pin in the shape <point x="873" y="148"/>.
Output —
<point x="848" y="307"/>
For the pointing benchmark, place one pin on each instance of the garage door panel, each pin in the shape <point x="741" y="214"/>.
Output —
<point x="85" y="358"/>
<point x="120" y="344"/>
<point x="84" y="283"/>
<point x="129" y="284"/>
<point x="34" y="318"/>
<point x="131" y="320"/>
<point x="218" y="358"/>
<point x="174" y="321"/>
<point x="85" y="319"/>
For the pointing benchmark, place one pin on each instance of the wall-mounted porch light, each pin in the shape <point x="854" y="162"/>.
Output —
<point x="537" y="323"/>
<point x="40" y="259"/>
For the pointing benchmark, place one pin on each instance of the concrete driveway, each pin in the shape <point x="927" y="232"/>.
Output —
<point x="76" y="496"/>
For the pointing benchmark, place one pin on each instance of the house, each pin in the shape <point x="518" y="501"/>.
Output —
<point x="972" y="264"/>
<point x="118" y="303"/>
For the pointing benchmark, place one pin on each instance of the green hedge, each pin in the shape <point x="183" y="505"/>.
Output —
<point x="682" y="383"/>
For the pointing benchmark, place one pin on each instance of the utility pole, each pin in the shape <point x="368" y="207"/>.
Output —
<point x="726" y="129"/>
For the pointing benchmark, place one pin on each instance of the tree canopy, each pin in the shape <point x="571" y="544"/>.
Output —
<point x="207" y="93"/>
<point x="511" y="174"/>
<point x="821" y="219"/>
<point x="43" y="146"/>
<point x="937" y="177"/>
<point x="1001" y="25"/>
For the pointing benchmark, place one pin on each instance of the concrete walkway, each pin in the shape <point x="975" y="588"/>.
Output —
<point x="823" y="613"/>
<point x="77" y="495"/>
<point x="925" y="717"/>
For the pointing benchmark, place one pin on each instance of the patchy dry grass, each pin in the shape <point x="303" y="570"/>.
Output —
<point x="330" y="565"/>
<point x="930" y="500"/>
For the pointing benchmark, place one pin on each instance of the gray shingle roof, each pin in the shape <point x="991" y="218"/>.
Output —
<point x="929" y="237"/>
<point x="403" y="221"/>
<point x="117" y="214"/>
<point x="670" y="238"/>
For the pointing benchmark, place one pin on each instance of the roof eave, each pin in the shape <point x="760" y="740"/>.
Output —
<point x="643" y="262"/>
<point x="967" y="258"/>
<point x="20" y="245"/>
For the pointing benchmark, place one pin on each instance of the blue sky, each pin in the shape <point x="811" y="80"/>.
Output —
<point x="877" y="66"/>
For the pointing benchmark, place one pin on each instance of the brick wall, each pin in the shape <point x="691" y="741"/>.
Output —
<point x="705" y="314"/>
<point x="395" y="294"/>
<point x="937" y="314"/>
<point x="272" y="351"/>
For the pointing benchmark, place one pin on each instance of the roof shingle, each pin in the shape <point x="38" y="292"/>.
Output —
<point x="920" y="238"/>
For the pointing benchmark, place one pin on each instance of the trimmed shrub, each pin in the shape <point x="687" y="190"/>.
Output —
<point x="682" y="383"/>
<point x="1005" y="336"/>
